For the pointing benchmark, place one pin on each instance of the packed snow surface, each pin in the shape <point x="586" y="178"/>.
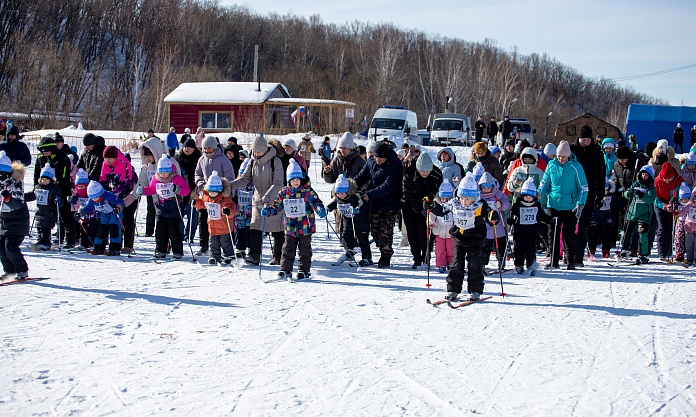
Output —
<point x="117" y="337"/>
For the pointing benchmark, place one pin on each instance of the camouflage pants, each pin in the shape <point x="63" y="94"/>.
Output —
<point x="382" y="229"/>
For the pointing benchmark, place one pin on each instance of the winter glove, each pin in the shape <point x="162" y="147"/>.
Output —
<point x="265" y="199"/>
<point x="514" y="219"/>
<point x="554" y="220"/>
<point x="578" y="210"/>
<point x="265" y="212"/>
<point x="321" y="212"/>
<point x="80" y="213"/>
<point x="5" y="195"/>
<point x="226" y="211"/>
<point x="129" y="199"/>
<point x="427" y="204"/>
<point x="493" y="217"/>
<point x="175" y="189"/>
<point x="77" y="216"/>
<point x="356" y="211"/>
<point x="117" y="210"/>
<point x="638" y="192"/>
<point x="57" y="199"/>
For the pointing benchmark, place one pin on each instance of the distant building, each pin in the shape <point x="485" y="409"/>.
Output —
<point x="570" y="129"/>
<point x="243" y="107"/>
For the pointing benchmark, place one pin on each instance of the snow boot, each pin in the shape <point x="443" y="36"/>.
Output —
<point x="253" y="258"/>
<point x="451" y="296"/>
<point x="202" y="252"/>
<point x="519" y="270"/>
<point x="365" y="262"/>
<point x="474" y="296"/>
<point x="303" y="274"/>
<point x="212" y="261"/>
<point x="348" y="255"/>
<point x="22" y="275"/>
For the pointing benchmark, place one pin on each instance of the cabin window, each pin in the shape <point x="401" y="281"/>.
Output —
<point x="216" y="120"/>
<point x="571" y="130"/>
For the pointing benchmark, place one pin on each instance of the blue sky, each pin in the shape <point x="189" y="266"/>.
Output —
<point x="611" y="38"/>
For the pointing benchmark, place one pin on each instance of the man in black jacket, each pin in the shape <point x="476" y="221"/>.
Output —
<point x="14" y="148"/>
<point x="506" y="127"/>
<point x="62" y="166"/>
<point x="590" y="157"/>
<point x="479" y="127"/>
<point x="92" y="158"/>
<point x="678" y="137"/>
<point x="421" y="180"/>
<point x="492" y="130"/>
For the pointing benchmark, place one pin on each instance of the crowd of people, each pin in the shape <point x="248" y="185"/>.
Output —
<point x="515" y="202"/>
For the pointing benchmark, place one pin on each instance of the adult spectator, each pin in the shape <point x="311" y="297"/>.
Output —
<point x="60" y="143"/>
<point x="480" y="153"/>
<point x="506" y="128"/>
<point x="232" y="153"/>
<point x="188" y="160"/>
<point x="290" y="149"/>
<point x="185" y="136"/>
<point x="91" y="158"/>
<point x="383" y="173"/>
<point x="325" y="151"/>
<point x="265" y="173"/>
<point x="549" y="152"/>
<point x="14" y="148"/>
<point x="564" y="191"/>
<point x="678" y="138"/>
<point x="451" y="170"/>
<point x="492" y="131"/>
<point x="421" y="180"/>
<point x="508" y="156"/>
<point x="307" y="149"/>
<point x="479" y="128"/>
<point x="62" y="167"/>
<point x="118" y="176"/>
<point x="692" y="133"/>
<point x="213" y="159"/>
<point x="625" y="168"/>
<point x="347" y="160"/>
<point x="591" y="158"/>
<point x="172" y="141"/>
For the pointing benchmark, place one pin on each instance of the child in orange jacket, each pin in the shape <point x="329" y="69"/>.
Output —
<point x="216" y="199"/>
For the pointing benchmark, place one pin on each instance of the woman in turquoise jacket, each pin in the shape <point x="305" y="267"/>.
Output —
<point x="563" y="190"/>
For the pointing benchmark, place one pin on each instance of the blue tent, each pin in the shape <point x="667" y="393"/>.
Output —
<point x="650" y="123"/>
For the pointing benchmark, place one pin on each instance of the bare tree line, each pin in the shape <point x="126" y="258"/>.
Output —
<point x="115" y="61"/>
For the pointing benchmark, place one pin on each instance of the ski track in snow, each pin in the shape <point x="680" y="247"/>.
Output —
<point x="105" y="337"/>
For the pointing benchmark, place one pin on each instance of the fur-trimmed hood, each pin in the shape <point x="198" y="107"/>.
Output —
<point x="18" y="171"/>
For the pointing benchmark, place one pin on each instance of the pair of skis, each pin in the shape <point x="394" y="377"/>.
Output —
<point x="454" y="304"/>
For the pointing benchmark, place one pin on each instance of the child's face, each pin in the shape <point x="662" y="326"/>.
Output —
<point x="684" y="200"/>
<point x="528" y="198"/>
<point x="295" y="182"/>
<point x="45" y="181"/>
<point x="444" y="199"/>
<point x="150" y="159"/>
<point x="213" y="194"/>
<point x="644" y="176"/>
<point x="690" y="167"/>
<point x="486" y="189"/>
<point x="466" y="201"/>
<point x="342" y="196"/>
<point x="164" y="174"/>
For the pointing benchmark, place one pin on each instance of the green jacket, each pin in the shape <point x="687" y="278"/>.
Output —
<point x="641" y="209"/>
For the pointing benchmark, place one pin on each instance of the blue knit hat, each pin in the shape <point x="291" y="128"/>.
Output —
<point x="468" y="187"/>
<point x="81" y="177"/>
<point x="342" y="185"/>
<point x="649" y="169"/>
<point x="5" y="162"/>
<point x="445" y="190"/>
<point x="529" y="188"/>
<point x="214" y="183"/>
<point x="294" y="170"/>
<point x="684" y="191"/>
<point x="94" y="189"/>
<point x="48" y="172"/>
<point x="164" y="165"/>
<point x="478" y="171"/>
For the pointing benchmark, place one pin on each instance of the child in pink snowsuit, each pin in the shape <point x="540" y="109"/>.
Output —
<point x="440" y="226"/>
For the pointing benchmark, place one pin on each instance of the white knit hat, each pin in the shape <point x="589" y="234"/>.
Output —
<point x="291" y="143"/>
<point x="294" y="170"/>
<point x="81" y="177"/>
<point x="214" y="183"/>
<point x="445" y="190"/>
<point x="164" y="165"/>
<point x="478" y="171"/>
<point x="5" y="162"/>
<point x="94" y="189"/>
<point x="342" y="185"/>
<point x="528" y="188"/>
<point x="468" y="187"/>
<point x="346" y="141"/>
<point x="684" y="191"/>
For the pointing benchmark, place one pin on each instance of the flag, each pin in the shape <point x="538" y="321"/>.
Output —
<point x="302" y="110"/>
<point x="293" y="116"/>
<point x="364" y="122"/>
<point x="427" y="126"/>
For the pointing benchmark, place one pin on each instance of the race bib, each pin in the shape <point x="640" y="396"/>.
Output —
<point x="528" y="215"/>
<point x="303" y="148"/>
<point x="41" y="197"/>
<point x="294" y="207"/>
<point x="346" y="210"/>
<point x="150" y="174"/>
<point x="6" y="208"/>
<point x="464" y="219"/>
<point x="606" y="203"/>
<point x="82" y="201"/>
<point x="164" y="190"/>
<point x="103" y="208"/>
<point x="447" y="219"/>
<point x="244" y="198"/>
<point x="692" y="214"/>
<point x="214" y="210"/>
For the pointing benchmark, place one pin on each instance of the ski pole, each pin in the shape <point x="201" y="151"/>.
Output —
<point x="91" y="244"/>
<point x="553" y="242"/>
<point x="58" y="218"/>
<point x="497" y="255"/>
<point x="181" y="217"/>
<point x="427" y="238"/>
<point x="263" y="230"/>
<point x="345" y="247"/>
<point x="229" y="229"/>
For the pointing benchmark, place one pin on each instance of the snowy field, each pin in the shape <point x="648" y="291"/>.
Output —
<point x="117" y="337"/>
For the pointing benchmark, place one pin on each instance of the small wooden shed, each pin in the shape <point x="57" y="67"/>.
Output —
<point x="570" y="129"/>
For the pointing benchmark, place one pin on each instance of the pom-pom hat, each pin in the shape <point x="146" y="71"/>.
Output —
<point x="468" y="187"/>
<point x="81" y="177"/>
<point x="5" y="162"/>
<point x="94" y="189"/>
<point x="214" y="183"/>
<point x="478" y="171"/>
<point x="529" y="188"/>
<point x="48" y="172"/>
<point x="445" y="190"/>
<point x="294" y="171"/>
<point x="684" y="191"/>
<point x="342" y="185"/>
<point x="164" y="165"/>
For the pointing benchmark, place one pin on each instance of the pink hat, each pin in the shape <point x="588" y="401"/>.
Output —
<point x="563" y="149"/>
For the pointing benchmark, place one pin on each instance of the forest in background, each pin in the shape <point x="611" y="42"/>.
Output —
<point x="115" y="61"/>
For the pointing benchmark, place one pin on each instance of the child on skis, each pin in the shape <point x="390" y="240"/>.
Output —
<point x="603" y="221"/>
<point x="526" y="214"/>
<point x="299" y="201"/>
<point x="440" y="226"/>
<point x="14" y="219"/>
<point x="87" y="226"/>
<point x="242" y="220"/>
<point x="687" y="213"/>
<point x="109" y="208"/>
<point x="168" y="189"/>
<point x="641" y="210"/>
<point x="48" y="200"/>
<point x="216" y="199"/>
<point x="470" y="215"/>
<point x="354" y="219"/>
<point x="498" y="201"/>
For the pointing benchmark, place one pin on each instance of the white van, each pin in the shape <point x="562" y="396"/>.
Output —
<point x="523" y="128"/>
<point x="394" y="121"/>
<point x="451" y="129"/>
